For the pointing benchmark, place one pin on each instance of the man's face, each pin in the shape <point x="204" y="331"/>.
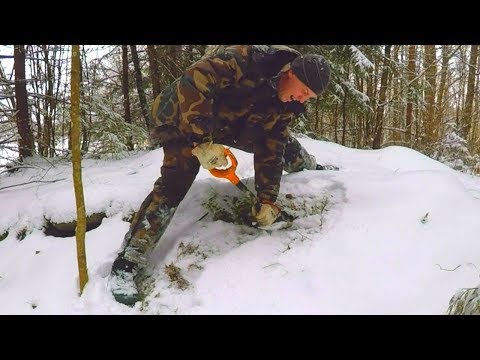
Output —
<point x="291" y="88"/>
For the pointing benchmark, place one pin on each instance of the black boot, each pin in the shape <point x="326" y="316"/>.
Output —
<point x="122" y="281"/>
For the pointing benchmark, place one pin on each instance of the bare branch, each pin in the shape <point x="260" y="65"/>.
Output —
<point x="31" y="182"/>
<point x="43" y="96"/>
<point x="10" y="169"/>
<point x="448" y="269"/>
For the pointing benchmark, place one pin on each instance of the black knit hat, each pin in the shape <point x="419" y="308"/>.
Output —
<point x="313" y="71"/>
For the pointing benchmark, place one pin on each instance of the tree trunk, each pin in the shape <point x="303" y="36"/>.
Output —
<point x="335" y="124"/>
<point x="397" y="106"/>
<point x="467" y="113"/>
<point x="476" y="112"/>
<point x="153" y="66"/>
<point x="35" y="109"/>
<point x="368" y="116"/>
<point x="461" y="84"/>
<point x="344" y="114"/>
<point x="412" y="53"/>
<point x="47" y="123"/>
<point x="25" y="141"/>
<point x="83" y="113"/>
<point x="77" y="168"/>
<point x="58" y="82"/>
<point x="51" y="99"/>
<point x="377" y="140"/>
<point x="126" y="97"/>
<point x="139" y="82"/>
<point x="430" y="89"/>
<point x="172" y="61"/>
<point x="442" y="88"/>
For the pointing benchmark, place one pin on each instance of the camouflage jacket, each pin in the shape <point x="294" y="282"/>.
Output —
<point x="232" y="97"/>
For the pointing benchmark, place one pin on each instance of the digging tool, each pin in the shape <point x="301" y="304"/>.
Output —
<point x="284" y="220"/>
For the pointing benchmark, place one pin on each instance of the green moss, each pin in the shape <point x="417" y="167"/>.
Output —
<point x="230" y="209"/>
<point x="22" y="234"/>
<point x="237" y="210"/>
<point x="3" y="236"/>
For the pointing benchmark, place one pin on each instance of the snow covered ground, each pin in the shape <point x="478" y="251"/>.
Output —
<point x="398" y="235"/>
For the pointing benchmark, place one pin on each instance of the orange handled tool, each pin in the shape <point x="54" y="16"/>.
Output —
<point x="229" y="174"/>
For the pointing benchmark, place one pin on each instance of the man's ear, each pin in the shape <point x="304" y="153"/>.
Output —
<point x="287" y="74"/>
<point x="290" y="73"/>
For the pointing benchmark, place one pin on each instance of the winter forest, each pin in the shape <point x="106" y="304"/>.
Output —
<point x="422" y="97"/>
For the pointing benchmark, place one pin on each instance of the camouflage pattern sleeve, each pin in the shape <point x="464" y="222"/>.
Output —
<point x="197" y="88"/>
<point x="268" y="160"/>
